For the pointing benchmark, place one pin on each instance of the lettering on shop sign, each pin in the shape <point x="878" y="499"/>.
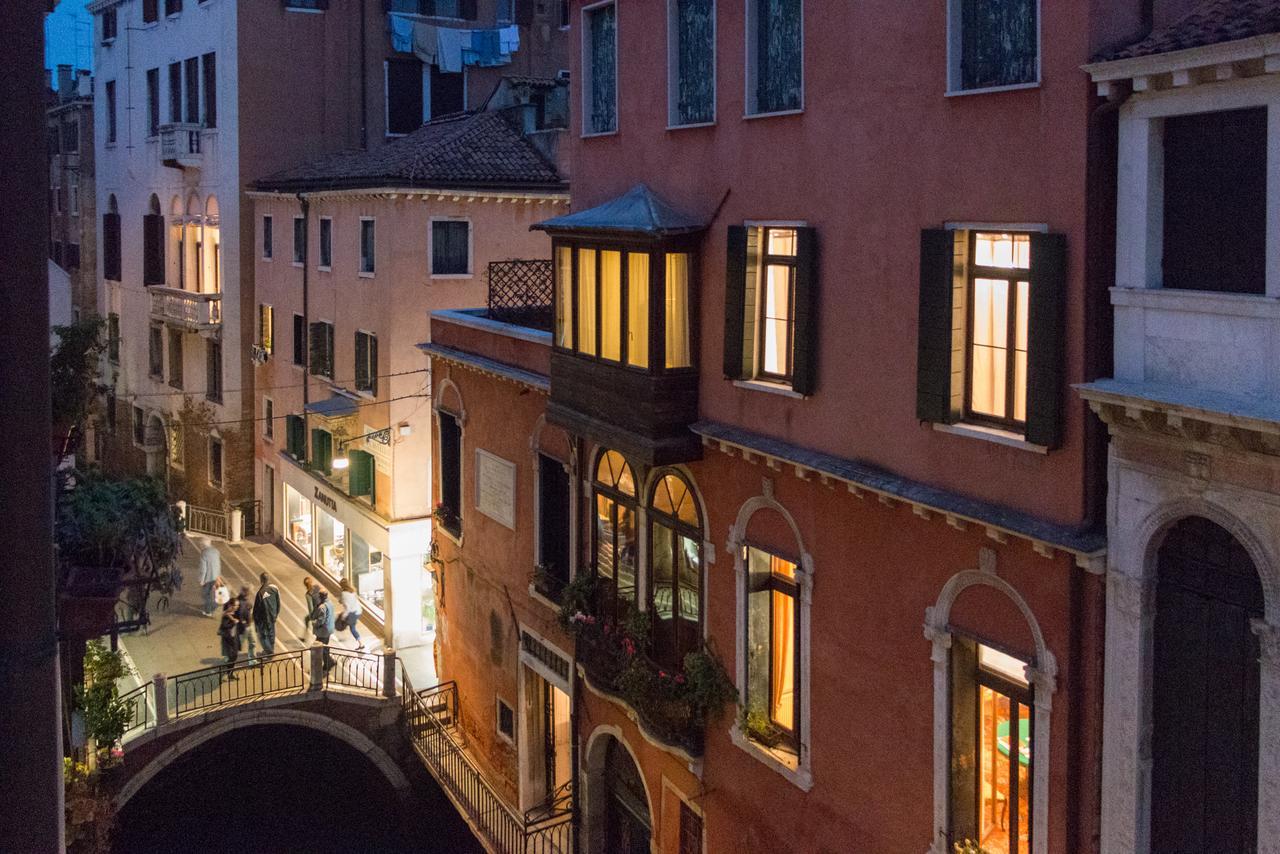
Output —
<point x="326" y="500"/>
<point x="496" y="488"/>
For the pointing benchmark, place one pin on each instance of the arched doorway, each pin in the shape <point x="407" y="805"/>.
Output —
<point x="1204" y="782"/>
<point x="627" y="826"/>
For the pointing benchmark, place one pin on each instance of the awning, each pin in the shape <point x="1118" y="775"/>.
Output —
<point x="335" y="407"/>
<point x="638" y="211"/>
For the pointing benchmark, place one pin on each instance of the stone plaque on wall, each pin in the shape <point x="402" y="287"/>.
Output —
<point x="496" y="488"/>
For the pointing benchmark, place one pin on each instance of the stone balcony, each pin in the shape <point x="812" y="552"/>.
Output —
<point x="194" y="312"/>
<point x="180" y="145"/>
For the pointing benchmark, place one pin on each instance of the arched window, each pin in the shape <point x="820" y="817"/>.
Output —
<point x="675" y="570"/>
<point x="615" y="533"/>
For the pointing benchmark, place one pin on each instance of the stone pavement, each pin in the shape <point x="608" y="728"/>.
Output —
<point x="181" y="639"/>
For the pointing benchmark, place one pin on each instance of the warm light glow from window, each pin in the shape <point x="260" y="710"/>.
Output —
<point x="587" y="301"/>
<point x="638" y="309"/>
<point x="990" y="346"/>
<point x="1011" y="251"/>
<point x="777" y="320"/>
<point x="1007" y="666"/>
<point x="782" y="702"/>
<point x="782" y="241"/>
<point x="564" y="294"/>
<point x="677" y="310"/>
<point x="995" y="723"/>
<point x="1020" y="353"/>
<point x="611" y="305"/>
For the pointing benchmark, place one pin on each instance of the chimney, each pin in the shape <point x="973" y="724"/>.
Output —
<point x="64" y="81"/>
<point x="48" y="80"/>
<point x="84" y="84"/>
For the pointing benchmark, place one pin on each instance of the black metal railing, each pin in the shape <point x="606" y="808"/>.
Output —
<point x="219" y="686"/>
<point x="354" y="670"/>
<point x="520" y="292"/>
<point x="141" y="705"/>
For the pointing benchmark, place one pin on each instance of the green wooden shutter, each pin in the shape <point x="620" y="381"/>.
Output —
<point x="735" y="281"/>
<point x="373" y="365"/>
<point x="315" y="338"/>
<point x="321" y="450"/>
<point x="296" y="436"/>
<point x="1045" y="338"/>
<point x="361" y="480"/>
<point x="328" y="350"/>
<point x="804" y="356"/>
<point x="935" y="322"/>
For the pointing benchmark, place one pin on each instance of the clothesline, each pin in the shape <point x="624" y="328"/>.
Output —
<point x="450" y="48"/>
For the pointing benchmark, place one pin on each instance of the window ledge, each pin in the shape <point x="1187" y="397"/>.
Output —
<point x="297" y="264"/>
<point x="267" y="258"/>
<point x="991" y="90"/>
<point x="799" y="775"/>
<point x="991" y="434"/>
<point x="536" y="595"/>
<point x="693" y="125"/>
<point x="768" y="387"/>
<point x="596" y="134"/>
<point x="362" y="274"/>
<point x="773" y="115"/>
<point x="324" y="269"/>
<point x="447" y="276"/>
<point x="456" y="539"/>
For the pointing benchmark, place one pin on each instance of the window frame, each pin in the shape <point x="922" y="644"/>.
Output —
<point x="372" y="259"/>
<point x="268" y="237"/>
<point x="620" y="501"/>
<point x="1011" y="276"/>
<point x="109" y="92"/>
<point x="110" y="25"/>
<point x="113" y="338"/>
<point x="451" y="514"/>
<point x="431" y="247"/>
<point x="679" y="528"/>
<point x="300" y="336"/>
<point x="541" y="534"/>
<point x="216" y="441"/>
<point x="213" y="370"/>
<point x="792" y="263"/>
<point x="673" y="69"/>
<point x="155" y="351"/>
<point x="792" y="737"/>
<point x="268" y="419"/>
<point x="499" y="705"/>
<point x="588" y="78"/>
<point x="751" y="66"/>
<point x="955" y="55"/>
<point x="370" y="389"/>
<point x="176" y="358"/>
<point x="325" y="247"/>
<point x="299" y="240"/>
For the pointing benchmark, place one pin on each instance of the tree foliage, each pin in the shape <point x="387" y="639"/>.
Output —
<point x="73" y="371"/>
<point x="98" y="699"/>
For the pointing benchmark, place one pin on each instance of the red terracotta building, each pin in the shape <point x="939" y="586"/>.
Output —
<point x="827" y="281"/>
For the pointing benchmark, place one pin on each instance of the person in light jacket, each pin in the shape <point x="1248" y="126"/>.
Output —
<point x="210" y="572"/>
<point x="266" y="609"/>
<point x="322" y="620"/>
<point x="351" y="611"/>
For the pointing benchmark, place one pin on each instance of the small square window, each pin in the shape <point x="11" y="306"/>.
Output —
<point x="506" y="721"/>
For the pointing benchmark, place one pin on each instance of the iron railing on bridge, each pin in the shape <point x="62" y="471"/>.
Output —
<point x="205" y="520"/>
<point x="201" y="690"/>
<point x="520" y="292"/>
<point x="502" y="827"/>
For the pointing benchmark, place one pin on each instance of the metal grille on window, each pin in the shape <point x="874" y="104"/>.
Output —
<point x="778" y="57"/>
<point x="999" y="43"/>
<point x="604" y="67"/>
<point x="696" y="39"/>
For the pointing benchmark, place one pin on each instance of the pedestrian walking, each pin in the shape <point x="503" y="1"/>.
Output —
<point x="312" y="599"/>
<point x="351" y="611"/>
<point x="210" y="573"/>
<point x="227" y="631"/>
<point x="322" y="620"/>
<point x="266" y="609"/>
<point x="244" y="630"/>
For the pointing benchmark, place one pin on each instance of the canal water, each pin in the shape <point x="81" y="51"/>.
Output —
<point x="281" y="790"/>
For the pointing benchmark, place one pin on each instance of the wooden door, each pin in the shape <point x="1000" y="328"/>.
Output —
<point x="1204" y="795"/>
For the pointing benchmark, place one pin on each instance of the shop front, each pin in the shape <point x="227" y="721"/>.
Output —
<point x="344" y="541"/>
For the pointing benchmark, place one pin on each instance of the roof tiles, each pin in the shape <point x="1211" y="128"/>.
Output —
<point x="1211" y="22"/>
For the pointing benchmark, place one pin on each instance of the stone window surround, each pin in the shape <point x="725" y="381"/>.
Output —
<point x="595" y="787"/>
<point x="1130" y="621"/>
<point x="1041" y="674"/>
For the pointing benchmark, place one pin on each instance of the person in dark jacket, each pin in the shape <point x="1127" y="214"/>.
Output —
<point x="244" y="619"/>
<point x="322" y="619"/>
<point x="312" y="599"/>
<point x="228" y="632"/>
<point x="266" y="609"/>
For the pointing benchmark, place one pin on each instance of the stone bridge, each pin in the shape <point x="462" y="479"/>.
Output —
<point x="364" y="700"/>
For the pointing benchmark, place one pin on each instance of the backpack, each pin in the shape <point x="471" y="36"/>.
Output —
<point x="340" y="624"/>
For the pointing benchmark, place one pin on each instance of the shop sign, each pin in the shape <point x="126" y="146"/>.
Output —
<point x="496" y="488"/>
<point x="326" y="500"/>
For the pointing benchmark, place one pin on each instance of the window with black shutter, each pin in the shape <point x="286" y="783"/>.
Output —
<point x="771" y="306"/>
<point x="450" y="509"/>
<point x="267" y="248"/>
<point x="153" y="272"/>
<point x="990" y="331"/>
<point x="774" y="56"/>
<point x="322" y="349"/>
<point x="192" y="72"/>
<point x="553" y="525"/>
<point x="175" y="91"/>
<point x="113" y="338"/>
<point x="155" y="351"/>
<point x="601" y="65"/>
<point x="296" y="436"/>
<point x="209" y="74"/>
<point x="213" y="371"/>
<point x="450" y="248"/>
<point x="150" y="11"/>
<point x="367" y="363"/>
<point x="367" y="245"/>
<point x="111" y="243"/>
<point x="404" y="95"/>
<point x="692" y="54"/>
<point x="175" y="358"/>
<point x="299" y="341"/>
<point x="110" y="92"/>
<point x="268" y="419"/>
<point x="109" y="24"/>
<point x="999" y="43"/>
<point x="360" y="479"/>
<point x="153" y="101"/>
<point x="326" y="243"/>
<point x="215" y="462"/>
<point x="299" y="240"/>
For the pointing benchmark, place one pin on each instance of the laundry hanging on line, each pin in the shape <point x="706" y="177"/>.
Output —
<point x="451" y="48"/>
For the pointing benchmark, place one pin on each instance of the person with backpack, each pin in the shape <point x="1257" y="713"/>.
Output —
<point x="351" y="611"/>
<point x="266" y="609"/>
<point x="322" y="621"/>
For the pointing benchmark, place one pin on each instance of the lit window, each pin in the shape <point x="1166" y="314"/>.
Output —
<point x="999" y="290"/>
<point x="564" y="296"/>
<point x="638" y="309"/>
<point x="675" y="571"/>
<point x="611" y="305"/>
<point x="587" y="301"/>
<point x="615" y="534"/>
<point x="990" y="749"/>
<point x="773" y="651"/>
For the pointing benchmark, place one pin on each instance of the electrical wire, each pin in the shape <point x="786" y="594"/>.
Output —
<point x="185" y="392"/>
<point x="421" y="393"/>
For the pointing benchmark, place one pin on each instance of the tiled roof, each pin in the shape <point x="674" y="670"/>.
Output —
<point x="637" y="211"/>
<point x="480" y="150"/>
<point x="1211" y="22"/>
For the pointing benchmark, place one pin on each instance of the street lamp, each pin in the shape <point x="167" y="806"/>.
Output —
<point x="342" y="461"/>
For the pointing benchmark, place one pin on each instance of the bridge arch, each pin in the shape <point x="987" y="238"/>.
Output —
<point x="262" y="717"/>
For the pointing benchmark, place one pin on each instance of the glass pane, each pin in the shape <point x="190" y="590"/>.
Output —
<point x="782" y="241"/>
<point x="989" y="356"/>
<point x="603" y="81"/>
<point x="587" y="301"/>
<point x="776" y="329"/>
<point x="663" y="614"/>
<point x="1020" y="353"/>
<point x="689" y="583"/>
<point x="782" y="689"/>
<point x="626" y="554"/>
<point x="564" y="294"/>
<point x="1012" y="251"/>
<point x="604" y="536"/>
<point x="638" y="309"/>
<point x="758" y="641"/>
<point x="778" y="55"/>
<point x="611" y="305"/>
<point x="695" y="70"/>
<point x="995" y="765"/>
<point x="677" y="310"/>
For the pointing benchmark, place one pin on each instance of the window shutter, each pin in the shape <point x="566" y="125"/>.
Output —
<point x="362" y="356"/>
<point x="321" y="450"/>
<point x="328" y="350"/>
<point x="735" y="282"/>
<point x="373" y="365"/>
<point x="361" y="479"/>
<point x="934" y="344"/>
<point x="111" y="246"/>
<point x="297" y="436"/>
<point x="1045" y="339"/>
<point x="316" y="338"/>
<point x="524" y="13"/>
<point x="153" y="249"/>
<point x="804" y="359"/>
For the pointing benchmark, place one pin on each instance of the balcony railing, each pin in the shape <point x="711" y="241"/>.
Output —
<point x="188" y="309"/>
<point x="520" y="292"/>
<point x="180" y="145"/>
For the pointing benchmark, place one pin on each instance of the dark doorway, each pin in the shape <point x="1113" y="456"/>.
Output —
<point x="627" y="827"/>
<point x="1204" y="789"/>
<point x="278" y="789"/>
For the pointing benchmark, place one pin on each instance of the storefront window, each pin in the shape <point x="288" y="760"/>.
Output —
<point x="331" y="545"/>
<point x="366" y="574"/>
<point x="299" y="523"/>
